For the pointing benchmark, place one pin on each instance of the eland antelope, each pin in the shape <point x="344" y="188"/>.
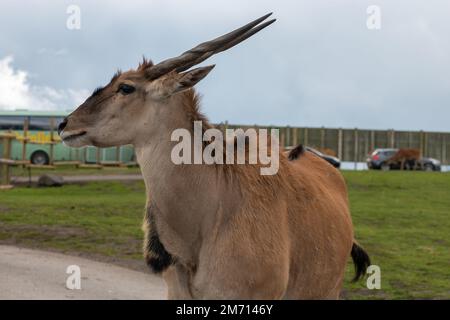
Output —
<point x="221" y="231"/>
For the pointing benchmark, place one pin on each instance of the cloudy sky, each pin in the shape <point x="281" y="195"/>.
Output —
<point x="318" y="65"/>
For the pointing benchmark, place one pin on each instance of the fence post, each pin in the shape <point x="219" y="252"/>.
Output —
<point x="306" y="137"/>
<point x="372" y="140"/>
<point x="425" y="143"/>
<point x="340" y="144"/>
<point x="392" y="139"/>
<point x="52" y="140"/>
<point x="294" y="136"/>
<point x="25" y="140"/>
<point x="288" y="136"/>
<point x="366" y="144"/>
<point x="421" y="143"/>
<point x="283" y="137"/>
<point x="322" y="137"/>
<point x="6" y="161"/>
<point x="444" y="149"/>
<point x="300" y="137"/>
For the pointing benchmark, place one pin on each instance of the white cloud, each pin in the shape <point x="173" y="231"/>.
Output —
<point x="17" y="93"/>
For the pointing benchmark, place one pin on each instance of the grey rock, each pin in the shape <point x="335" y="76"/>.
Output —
<point x="50" y="180"/>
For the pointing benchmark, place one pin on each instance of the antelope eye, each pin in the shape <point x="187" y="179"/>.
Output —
<point x="126" y="89"/>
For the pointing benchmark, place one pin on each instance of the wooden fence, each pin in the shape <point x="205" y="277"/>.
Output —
<point x="354" y="145"/>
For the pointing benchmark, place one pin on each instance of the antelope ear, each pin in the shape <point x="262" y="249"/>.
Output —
<point x="173" y="82"/>
<point x="190" y="78"/>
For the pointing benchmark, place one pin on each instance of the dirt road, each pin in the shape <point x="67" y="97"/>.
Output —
<point x="34" y="274"/>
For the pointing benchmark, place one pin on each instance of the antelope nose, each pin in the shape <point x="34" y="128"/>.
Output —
<point x="62" y="125"/>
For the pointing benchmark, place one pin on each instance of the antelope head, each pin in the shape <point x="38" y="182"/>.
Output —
<point x="117" y="113"/>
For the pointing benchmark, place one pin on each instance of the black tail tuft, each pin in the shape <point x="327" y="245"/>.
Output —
<point x="361" y="260"/>
<point x="296" y="152"/>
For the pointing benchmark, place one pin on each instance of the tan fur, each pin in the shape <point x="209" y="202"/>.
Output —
<point x="234" y="233"/>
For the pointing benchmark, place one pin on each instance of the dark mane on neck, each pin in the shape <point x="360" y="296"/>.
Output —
<point x="191" y="104"/>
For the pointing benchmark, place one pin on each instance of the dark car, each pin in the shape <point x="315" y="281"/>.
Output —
<point x="379" y="160"/>
<point x="335" y="162"/>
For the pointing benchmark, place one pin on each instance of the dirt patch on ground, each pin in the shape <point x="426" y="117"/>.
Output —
<point x="59" y="232"/>
<point x="3" y="209"/>
<point x="362" y="292"/>
<point x="398" y="284"/>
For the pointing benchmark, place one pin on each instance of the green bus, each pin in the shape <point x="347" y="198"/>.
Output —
<point x="39" y="138"/>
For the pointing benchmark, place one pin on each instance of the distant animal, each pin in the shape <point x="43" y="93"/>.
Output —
<point x="221" y="231"/>
<point x="410" y="157"/>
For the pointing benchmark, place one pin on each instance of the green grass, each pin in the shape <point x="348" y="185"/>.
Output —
<point x="402" y="219"/>
<point x="97" y="218"/>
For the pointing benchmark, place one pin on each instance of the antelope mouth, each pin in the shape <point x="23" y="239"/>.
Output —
<point x="67" y="137"/>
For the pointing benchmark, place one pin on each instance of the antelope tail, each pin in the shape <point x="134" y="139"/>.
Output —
<point x="361" y="261"/>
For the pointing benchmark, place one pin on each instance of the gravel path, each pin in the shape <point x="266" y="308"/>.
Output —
<point x="34" y="274"/>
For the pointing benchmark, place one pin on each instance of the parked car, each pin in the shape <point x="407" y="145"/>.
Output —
<point x="379" y="160"/>
<point x="335" y="162"/>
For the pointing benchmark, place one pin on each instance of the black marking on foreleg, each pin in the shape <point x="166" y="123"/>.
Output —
<point x="156" y="256"/>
